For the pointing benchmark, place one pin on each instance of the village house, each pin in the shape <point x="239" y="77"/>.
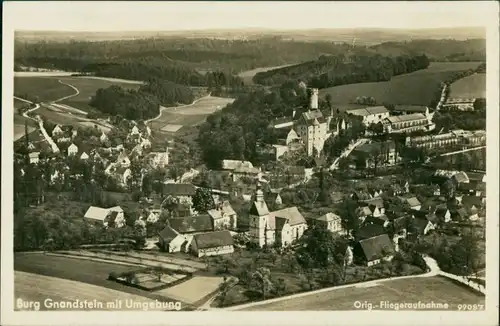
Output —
<point x="34" y="157"/>
<point x="282" y="226"/>
<point x="443" y="214"/>
<point x="123" y="160"/>
<point x="231" y="165"/>
<point x="473" y="188"/>
<point x="411" y="202"/>
<point x="159" y="159"/>
<point x="460" y="214"/>
<point x="476" y="176"/>
<point x="192" y="224"/>
<point x="423" y="223"/>
<point x="57" y="131"/>
<point x="72" y="149"/>
<point x="371" y="115"/>
<point x="329" y="221"/>
<point x="407" y="123"/>
<point x="460" y="177"/>
<point x="172" y="241"/>
<point x="107" y="216"/>
<point x="134" y="131"/>
<point x="363" y="212"/>
<point x="242" y="172"/>
<point x="212" y="243"/>
<point x="182" y="192"/>
<point x="473" y="205"/>
<point x="223" y="216"/>
<point x="374" y="250"/>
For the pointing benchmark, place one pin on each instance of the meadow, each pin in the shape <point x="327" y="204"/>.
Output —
<point x="173" y="119"/>
<point x="473" y="86"/>
<point x="433" y="289"/>
<point x="48" y="89"/>
<point x="247" y="75"/>
<point x="417" y="88"/>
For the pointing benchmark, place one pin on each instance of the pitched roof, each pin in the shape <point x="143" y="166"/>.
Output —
<point x="168" y="234"/>
<point x="291" y="213"/>
<point x="441" y="211"/>
<point x="377" y="247"/>
<point x="213" y="239"/>
<point x="469" y="201"/>
<point x="179" y="189"/>
<point x="460" y="213"/>
<point x="406" y="117"/>
<point x="198" y="223"/>
<point x="420" y="224"/>
<point x="461" y="177"/>
<point x="368" y="111"/>
<point x="287" y="121"/>
<point x="225" y="210"/>
<point x="364" y="211"/>
<point x="476" y="176"/>
<point x="328" y="217"/>
<point x="369" y="230"/>
<point x="379" y="220"/>
<point x="280" y="223"/>
<point x="412" y="201"/>
<point x="377" y="202"/>
<point x="96" y="213"/>
<point x="410" y="108"/>
<point x="259" y="208"/>
<point x="312" y="117"/>
<point x="234" y="164"/>
<point x="400" y="223"/>
<point x="473" y="185"/>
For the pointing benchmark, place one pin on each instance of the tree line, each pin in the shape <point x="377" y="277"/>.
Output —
<point x="330" y="71"/>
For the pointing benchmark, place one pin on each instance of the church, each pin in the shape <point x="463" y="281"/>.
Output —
<point x="268" y="228"/>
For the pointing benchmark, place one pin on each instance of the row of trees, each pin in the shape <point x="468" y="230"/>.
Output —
<point x="330" y="71"/>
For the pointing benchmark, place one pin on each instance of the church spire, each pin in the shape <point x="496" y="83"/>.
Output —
<point x="259" y="194"/>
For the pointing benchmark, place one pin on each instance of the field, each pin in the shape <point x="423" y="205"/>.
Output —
<point x="33" y="287"/>
<point x="248" y="74"/>
<point x="417" y="88"/>
<point x="86" y="271"/>
<point x="433" y="289"/>
<point x="50" y="89"/>
<point x="471" y="86"/>
<point x="173" y="119"/>
<point x="193" y="290"/>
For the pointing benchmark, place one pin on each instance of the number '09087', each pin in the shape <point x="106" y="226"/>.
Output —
<point x="470" y="307"/>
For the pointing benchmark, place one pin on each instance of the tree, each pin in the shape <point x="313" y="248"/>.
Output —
<point x="262" y="279"/>
<point x="203" y="200"/>
<point x="349" y="216"/>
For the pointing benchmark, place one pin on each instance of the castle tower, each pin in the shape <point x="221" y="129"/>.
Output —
<point x="259" y="194"/>
<point x="313" y="100"/>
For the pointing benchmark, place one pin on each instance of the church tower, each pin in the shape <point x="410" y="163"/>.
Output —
<point x="259" y="214"/>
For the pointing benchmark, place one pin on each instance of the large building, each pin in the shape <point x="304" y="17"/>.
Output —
<point x="375" y="154"/>
<point x="282" y="226"/>
<point x="453" y="138"/>
<point x="371" y="115"/>
<point x="313" y="128"/>
<point x="407" y="123"/>
<point x="459" y="104"/>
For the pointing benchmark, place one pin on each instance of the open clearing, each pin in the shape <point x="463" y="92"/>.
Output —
<point x="433" y="289"/>
<point x="38" y="288"/>
<point x="248" y="74"/>
<point x="86" y="271"/>
<point x="473" y="86"/>
<point x="417" y="88"/>
<point x="45" y="89"/>
<point x="188" y="115"/>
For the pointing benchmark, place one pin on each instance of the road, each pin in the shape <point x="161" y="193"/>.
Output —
<point x="342" y="297"/>
<point x="347" y="152"/>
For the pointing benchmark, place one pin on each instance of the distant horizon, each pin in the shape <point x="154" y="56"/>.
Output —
<point x="172" y="16"/>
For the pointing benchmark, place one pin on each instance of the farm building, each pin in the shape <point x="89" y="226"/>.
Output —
<point x="106" y="215"/>
<point x="172" y="241"/>
<point x="373" y="250"/>
<point x="329" y="221"/>
<point x="371" y="115"/>
<point x="459" y="104"/>
<point x="408" y="123"/>
<point x="192" y="224"/>
<point x="223" y="216"/>
<point x="212" y="243"/>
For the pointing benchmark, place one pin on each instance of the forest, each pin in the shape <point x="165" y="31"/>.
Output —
<point x="185" y="60"/>
<point x="143" y="103"/>
<point x="330" y="71"/>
